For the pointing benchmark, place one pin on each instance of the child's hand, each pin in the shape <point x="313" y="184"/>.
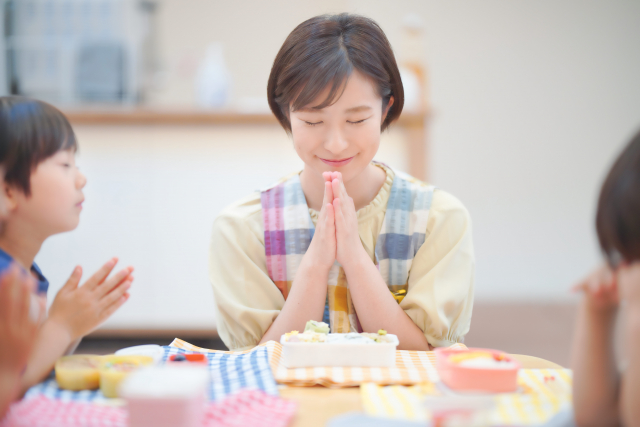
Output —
<point x="347" y="237"/>
<point x="601" y="290"/>
<point x="323" y="245"/>
<point x="81" y="309"/>
<point x="18" y="330"/>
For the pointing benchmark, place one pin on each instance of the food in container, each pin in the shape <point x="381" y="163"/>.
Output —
<point x="78" y="372"/>
<point x="313" y="348"/>
<point x="477" y="370"/>
<point x="115" y="369"/>
<point x="166" y="396"/>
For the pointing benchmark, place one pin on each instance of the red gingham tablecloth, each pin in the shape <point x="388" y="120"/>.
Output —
<point x="247" y="407"/>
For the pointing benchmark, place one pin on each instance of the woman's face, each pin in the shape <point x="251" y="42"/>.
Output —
<point x="342" y="137"/>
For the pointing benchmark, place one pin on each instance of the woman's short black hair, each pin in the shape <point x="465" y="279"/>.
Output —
<point x="618" y="217"/>
<point x="321" y="53"/>
<point x="30" y="131"/>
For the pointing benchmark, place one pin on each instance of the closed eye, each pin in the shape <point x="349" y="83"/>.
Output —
<point x="312" y="124"/>
<point x="359" y="121"/>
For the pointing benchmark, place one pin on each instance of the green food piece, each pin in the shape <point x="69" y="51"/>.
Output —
<point x="382" y="332"/>
<point x="318" y="327"/>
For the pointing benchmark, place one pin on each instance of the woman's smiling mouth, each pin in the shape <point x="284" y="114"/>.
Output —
<point x="336" y="163"/>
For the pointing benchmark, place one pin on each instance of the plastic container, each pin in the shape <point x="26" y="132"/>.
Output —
<point x="464" y="378"/>
<point x="78" y="372"/>
<point x="304" y="355"/>
<point x="166" y="396"/>
<point x="115" y="369"/>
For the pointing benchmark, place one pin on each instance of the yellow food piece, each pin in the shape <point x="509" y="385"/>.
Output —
<point x="288" y="334"/>
<point x="114" y="369"/>
<point x="78" y="372"/>
<point x="467" y="355"/>
<point x="382" y="332"/>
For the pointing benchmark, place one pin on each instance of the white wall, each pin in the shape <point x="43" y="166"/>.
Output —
<point x="531" y="102"/>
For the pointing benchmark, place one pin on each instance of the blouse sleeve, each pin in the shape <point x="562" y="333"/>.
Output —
<point x="247" y="299"/>
<point x="440" y="295"/>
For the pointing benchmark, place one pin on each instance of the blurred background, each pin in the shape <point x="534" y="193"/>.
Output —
<point x="516" y="107"/>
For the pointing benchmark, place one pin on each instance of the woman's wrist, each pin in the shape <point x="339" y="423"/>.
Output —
<point x="358" y="260"/>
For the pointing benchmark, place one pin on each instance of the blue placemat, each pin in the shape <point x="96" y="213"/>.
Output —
<point x="229" y="373"/>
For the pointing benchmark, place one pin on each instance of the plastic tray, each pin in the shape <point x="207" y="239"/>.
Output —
<point x="305" y="355"/>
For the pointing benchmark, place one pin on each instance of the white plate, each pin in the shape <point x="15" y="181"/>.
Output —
<point x="151" y="350"/>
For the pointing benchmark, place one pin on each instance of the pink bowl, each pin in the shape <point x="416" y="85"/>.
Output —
<point x="467" y="378"/>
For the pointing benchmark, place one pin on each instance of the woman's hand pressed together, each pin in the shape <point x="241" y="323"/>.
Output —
<point x="322" y="250"/>
<point x="306" y="299"/>
<point x="349" y="247"/>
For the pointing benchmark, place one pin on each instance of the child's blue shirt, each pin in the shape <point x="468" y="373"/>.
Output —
<point x="43" y="284"/>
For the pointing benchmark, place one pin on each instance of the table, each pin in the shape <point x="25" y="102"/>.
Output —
<point x="318" y="404"/>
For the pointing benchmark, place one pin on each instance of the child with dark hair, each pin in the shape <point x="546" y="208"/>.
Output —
<point x="602" y="396"/>
<point x="347" y="240"/>
<point x="42" y="190"/>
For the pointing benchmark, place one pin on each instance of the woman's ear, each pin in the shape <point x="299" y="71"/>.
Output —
<point x="386" y="110"/>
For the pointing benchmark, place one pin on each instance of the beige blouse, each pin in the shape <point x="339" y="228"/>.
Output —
<point x="439" y="298"/>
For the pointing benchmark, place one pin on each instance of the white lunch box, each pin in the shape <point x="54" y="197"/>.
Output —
<point x="305" y="355"/>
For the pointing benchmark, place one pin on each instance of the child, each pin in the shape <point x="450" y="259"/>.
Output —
<point x="347" y="241"/>
<point x="43" y="193"/>
<point x="603" y="397"/>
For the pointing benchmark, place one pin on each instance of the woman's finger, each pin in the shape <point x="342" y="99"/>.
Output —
<point x="337" y="190"/>
<point x="113" y="282"/>
<point x="340" y="221"/>
<point x="328" y="194"/>
<point x="330" y="217"/>
<point x="100" y="275"/>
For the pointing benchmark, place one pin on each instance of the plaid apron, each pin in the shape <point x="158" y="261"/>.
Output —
<point x="288" y="230"/>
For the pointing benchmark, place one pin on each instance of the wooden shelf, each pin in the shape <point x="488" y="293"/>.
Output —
<point x="193" y="117"/>
<point x="414" y="125"/>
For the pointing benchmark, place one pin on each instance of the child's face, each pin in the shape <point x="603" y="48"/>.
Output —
<point x="56" y="196"/>
<point x="342" y="137"/>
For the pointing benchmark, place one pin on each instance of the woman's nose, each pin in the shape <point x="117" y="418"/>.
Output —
<point x="335" y="142"/>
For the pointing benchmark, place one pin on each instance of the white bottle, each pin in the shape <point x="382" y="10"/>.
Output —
<point x="213" y="80"/>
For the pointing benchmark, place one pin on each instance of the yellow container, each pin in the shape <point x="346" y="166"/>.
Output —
<point x="78" y="372"/>
<point x="114" y="370"/>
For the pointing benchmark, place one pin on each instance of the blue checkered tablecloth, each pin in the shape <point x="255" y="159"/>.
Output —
<point x="229" y="373"/>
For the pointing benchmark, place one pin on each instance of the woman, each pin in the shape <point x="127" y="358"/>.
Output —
<point x="346" y="240"/>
